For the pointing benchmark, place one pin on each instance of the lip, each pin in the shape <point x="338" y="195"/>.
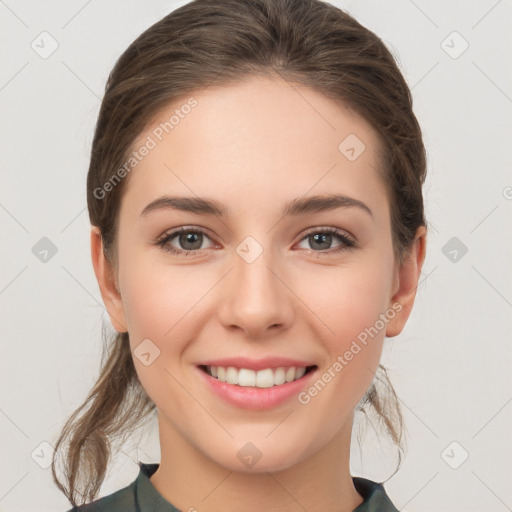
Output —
<point x="256" y="364"/>
<point x="252" y="397"/>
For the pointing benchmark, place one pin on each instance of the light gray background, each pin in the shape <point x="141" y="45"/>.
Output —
<point x="450" y="366"/>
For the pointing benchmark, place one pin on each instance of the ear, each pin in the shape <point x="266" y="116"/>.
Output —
<point x="107" y="282"/>
<point x="406" y="283"/>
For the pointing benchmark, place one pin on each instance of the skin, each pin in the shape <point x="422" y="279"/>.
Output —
<point x="256" y="145"/>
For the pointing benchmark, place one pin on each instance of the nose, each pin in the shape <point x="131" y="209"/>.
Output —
<point x="256" y="300"/>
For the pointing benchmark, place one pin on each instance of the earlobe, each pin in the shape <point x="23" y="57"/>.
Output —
<point x="407" y="279"/>
<point x="107" y="282"/>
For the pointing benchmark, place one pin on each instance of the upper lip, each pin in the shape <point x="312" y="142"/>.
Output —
<point x="256" y="364"/>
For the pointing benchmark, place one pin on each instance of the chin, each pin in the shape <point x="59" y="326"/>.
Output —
<point x="248" y="458"/>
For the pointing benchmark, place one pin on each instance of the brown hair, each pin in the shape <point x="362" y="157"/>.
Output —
<point x="207" y="42"/>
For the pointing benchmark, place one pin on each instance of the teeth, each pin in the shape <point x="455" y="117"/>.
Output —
<point x="265" y="378"/>
<point x="261" y="379"/>
<point x="300" y="372"/>
<point x="246" y="377"/>
<point x="290" y="374"/>
<point x="231" y="376"/>
<point x="279" y="376"/>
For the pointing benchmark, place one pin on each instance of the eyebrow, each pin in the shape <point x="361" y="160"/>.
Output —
<point x="299" y="206"/>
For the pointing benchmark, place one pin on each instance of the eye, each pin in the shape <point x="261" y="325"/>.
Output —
<point x="321" y="239"/>
<point x="189" y="239"/>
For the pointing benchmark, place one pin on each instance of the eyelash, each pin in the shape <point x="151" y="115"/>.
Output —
<point x="347" y="242"/>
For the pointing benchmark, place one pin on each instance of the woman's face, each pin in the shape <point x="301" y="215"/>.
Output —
<point x="261" y="285"/>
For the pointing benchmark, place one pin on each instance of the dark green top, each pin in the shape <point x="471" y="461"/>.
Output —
<point x="142" y="496"/>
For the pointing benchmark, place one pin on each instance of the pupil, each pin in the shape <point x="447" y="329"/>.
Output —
<point x="324" y="238"/>
<point x="189" y="238"/>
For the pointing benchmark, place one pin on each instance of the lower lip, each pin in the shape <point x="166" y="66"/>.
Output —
<point x="256" y="398"/>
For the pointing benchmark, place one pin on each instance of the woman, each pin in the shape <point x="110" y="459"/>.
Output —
<point x="277" y="138"/>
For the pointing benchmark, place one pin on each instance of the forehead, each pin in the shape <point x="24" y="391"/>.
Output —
<point x="257" y="138"/>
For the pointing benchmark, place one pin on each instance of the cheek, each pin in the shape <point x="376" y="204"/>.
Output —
<point x="350" y="300"/>
<point x="159" y="306"/>
<point x="157" y="300"/>
<point x="351" y="306"/>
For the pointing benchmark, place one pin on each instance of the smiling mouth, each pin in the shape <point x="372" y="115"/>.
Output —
<point x="265" y="378"/>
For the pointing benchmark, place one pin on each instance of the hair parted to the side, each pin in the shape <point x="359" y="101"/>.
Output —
<point x="217" y="42"/>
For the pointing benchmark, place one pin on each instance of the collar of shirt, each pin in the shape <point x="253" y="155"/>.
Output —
<point x="147" y="498"/>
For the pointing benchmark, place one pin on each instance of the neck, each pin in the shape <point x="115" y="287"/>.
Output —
<point x="191" y="481"/>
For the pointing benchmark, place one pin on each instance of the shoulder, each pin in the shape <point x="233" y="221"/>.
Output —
<point x="374" y="495"/>
<point x="119" y="501"/>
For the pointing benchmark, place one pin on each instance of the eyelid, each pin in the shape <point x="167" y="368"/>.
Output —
<point x="330" y="230"/>
<point x="185" y="229"/>
<point x="172" y="233"/>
